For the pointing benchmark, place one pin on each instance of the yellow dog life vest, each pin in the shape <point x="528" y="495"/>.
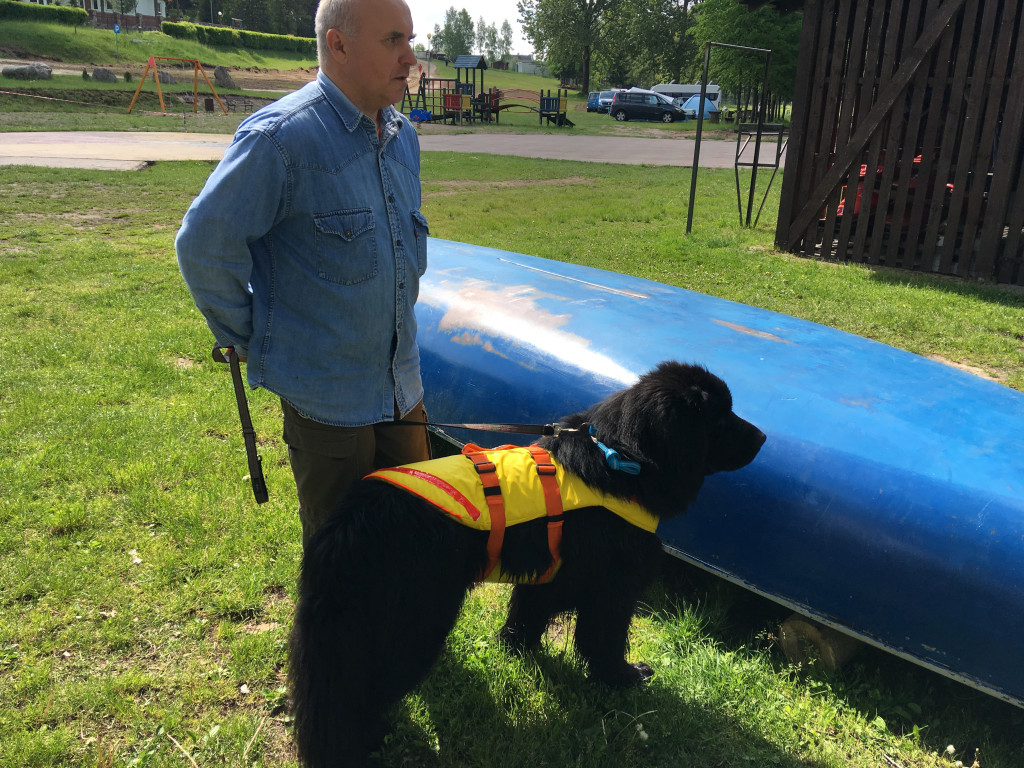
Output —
<point x="494" y="488"/>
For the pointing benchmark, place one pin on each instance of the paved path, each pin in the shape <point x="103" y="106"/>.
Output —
<point x="132" y="150"/>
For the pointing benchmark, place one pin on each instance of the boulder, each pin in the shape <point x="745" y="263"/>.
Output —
<point x="102" y="75"/>
<point x="165" y="77"/>
<point x="34" y="71"/>
<point x="222" y="78"/>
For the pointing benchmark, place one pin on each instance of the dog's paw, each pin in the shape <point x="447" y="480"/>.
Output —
<point x="515" y="640"/>
<point x="624" y="675"/>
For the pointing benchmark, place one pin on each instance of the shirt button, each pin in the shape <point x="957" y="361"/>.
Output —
<point x="348" y="233"/>
<point x="398" y="243"/>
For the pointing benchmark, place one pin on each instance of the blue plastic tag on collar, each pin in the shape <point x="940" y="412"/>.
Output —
<point x="615" y="461"/>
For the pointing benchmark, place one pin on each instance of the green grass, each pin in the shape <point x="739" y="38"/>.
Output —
<point x="145" y="600"/>
<point x="101" y="47"/>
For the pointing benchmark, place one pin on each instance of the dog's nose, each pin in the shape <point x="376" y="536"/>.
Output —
<point x="734" y="445"/>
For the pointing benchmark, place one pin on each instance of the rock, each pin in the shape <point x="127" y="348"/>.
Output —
<point x="34" y="71"/>
<point x="101" y="75"/>
<point x="165" y="77"/>
<point x="222" y="78"/>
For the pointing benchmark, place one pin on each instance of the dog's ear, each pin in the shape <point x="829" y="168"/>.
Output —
<point x="688" y="418"/>
<point x="662" y="422"/>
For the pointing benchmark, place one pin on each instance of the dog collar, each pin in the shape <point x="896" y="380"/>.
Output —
<point x="615" y="461"/>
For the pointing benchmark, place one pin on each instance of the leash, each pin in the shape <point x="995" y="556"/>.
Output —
<point x="613" y="458"/>
<point x="545" y="430"/>
<point x="259" y="484"/>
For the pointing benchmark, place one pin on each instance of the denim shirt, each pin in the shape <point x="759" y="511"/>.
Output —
<point x="304" y="252"/>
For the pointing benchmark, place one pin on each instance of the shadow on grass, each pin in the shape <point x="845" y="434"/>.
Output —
<point x="993" y="293"/>
<point x="483" y="708"/>
<point x="542" y="711"/>
<point x="913" y="701"/>
<point x="584" y="724"/>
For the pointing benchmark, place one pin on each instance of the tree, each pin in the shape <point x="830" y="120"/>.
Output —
<point x="257" y="14"/>
<point x="504" y="46"/>
<point x="726" y="21"/>
<point x="491" y="42"/>
<point x="647" y="43"/>
<point x="456" y="37"/>
<point x="566" y="33"/>
<point x="481" y="35"/>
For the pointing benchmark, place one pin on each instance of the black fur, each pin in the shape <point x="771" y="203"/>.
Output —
<point x="384" y="579"/>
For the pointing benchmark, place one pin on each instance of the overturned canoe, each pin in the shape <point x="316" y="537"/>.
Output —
<point x="888" y="501"/>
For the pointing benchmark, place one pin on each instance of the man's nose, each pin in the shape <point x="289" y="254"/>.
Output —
<point x="408" y="57"/>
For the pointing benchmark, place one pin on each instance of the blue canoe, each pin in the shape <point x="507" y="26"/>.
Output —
<point x="887" y="502"/>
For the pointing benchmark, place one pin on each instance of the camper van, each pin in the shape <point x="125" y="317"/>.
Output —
<point x="685" y="91"/>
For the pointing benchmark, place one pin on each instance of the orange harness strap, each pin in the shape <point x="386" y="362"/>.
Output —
<point x="496" y="506"/>
<point x="553" y="502"/>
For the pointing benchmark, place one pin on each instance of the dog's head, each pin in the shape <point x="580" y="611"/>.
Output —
<point x="677" y="424"/>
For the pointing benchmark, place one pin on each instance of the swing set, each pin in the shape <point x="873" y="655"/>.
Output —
<point x="196" y="69"/>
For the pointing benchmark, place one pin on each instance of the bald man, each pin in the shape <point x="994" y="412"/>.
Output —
<point x="304" y="252"/>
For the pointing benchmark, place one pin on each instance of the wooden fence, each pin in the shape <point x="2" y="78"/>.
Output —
<point x="907" y="137"/>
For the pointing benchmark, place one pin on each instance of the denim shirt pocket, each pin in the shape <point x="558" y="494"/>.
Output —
<point x="346" y="247"/>
<point x="421" y="230"/>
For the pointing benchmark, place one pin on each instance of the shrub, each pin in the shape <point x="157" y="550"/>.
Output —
<point x="58" y="14"/>
<point x="239" y="38"/>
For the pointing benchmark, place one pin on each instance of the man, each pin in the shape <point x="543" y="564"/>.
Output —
<point x="304" y="252"/>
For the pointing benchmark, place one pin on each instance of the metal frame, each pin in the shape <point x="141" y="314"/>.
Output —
<point x="761" y="113"/>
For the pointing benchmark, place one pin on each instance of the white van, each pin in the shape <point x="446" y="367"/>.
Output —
<point x="685" y="91"/>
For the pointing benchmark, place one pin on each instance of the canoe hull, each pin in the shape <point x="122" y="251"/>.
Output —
<point x="888" y="500"/>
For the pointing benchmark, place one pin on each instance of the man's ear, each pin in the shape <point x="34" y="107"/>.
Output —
<point x="337" y="44"/>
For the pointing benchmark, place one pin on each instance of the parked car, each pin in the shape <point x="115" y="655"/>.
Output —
<point x="604" y="101"/>
<point x="592" y="101"/>
<point x="688" y="114"/>
<point x="637" y="104"/>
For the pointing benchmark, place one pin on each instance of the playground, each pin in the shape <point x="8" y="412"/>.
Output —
<point x="460" y="100"/>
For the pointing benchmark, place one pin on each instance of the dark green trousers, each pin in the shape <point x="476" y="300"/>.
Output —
<point x="326" y="460"/>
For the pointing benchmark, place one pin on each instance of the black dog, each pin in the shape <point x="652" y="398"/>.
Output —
<point x="384" y="579"/>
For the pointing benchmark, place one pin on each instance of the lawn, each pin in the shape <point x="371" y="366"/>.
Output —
<point x="145" y="600"/>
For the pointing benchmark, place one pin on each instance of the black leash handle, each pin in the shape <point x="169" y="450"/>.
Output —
<point x="259" y="484"/>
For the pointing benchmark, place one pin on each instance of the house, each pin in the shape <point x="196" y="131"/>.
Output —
<point x="526" y="64"/>
<point x="148" y="14"/>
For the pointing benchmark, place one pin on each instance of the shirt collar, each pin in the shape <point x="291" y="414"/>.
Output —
<point x="351" y="115"/>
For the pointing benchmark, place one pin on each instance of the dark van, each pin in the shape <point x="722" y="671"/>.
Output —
<point x="638" y="104"/>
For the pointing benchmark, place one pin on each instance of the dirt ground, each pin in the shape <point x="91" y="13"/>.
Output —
<point x="249" y="78"/>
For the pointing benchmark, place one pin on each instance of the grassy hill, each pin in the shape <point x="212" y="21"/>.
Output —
<point x="101" y="47"/>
